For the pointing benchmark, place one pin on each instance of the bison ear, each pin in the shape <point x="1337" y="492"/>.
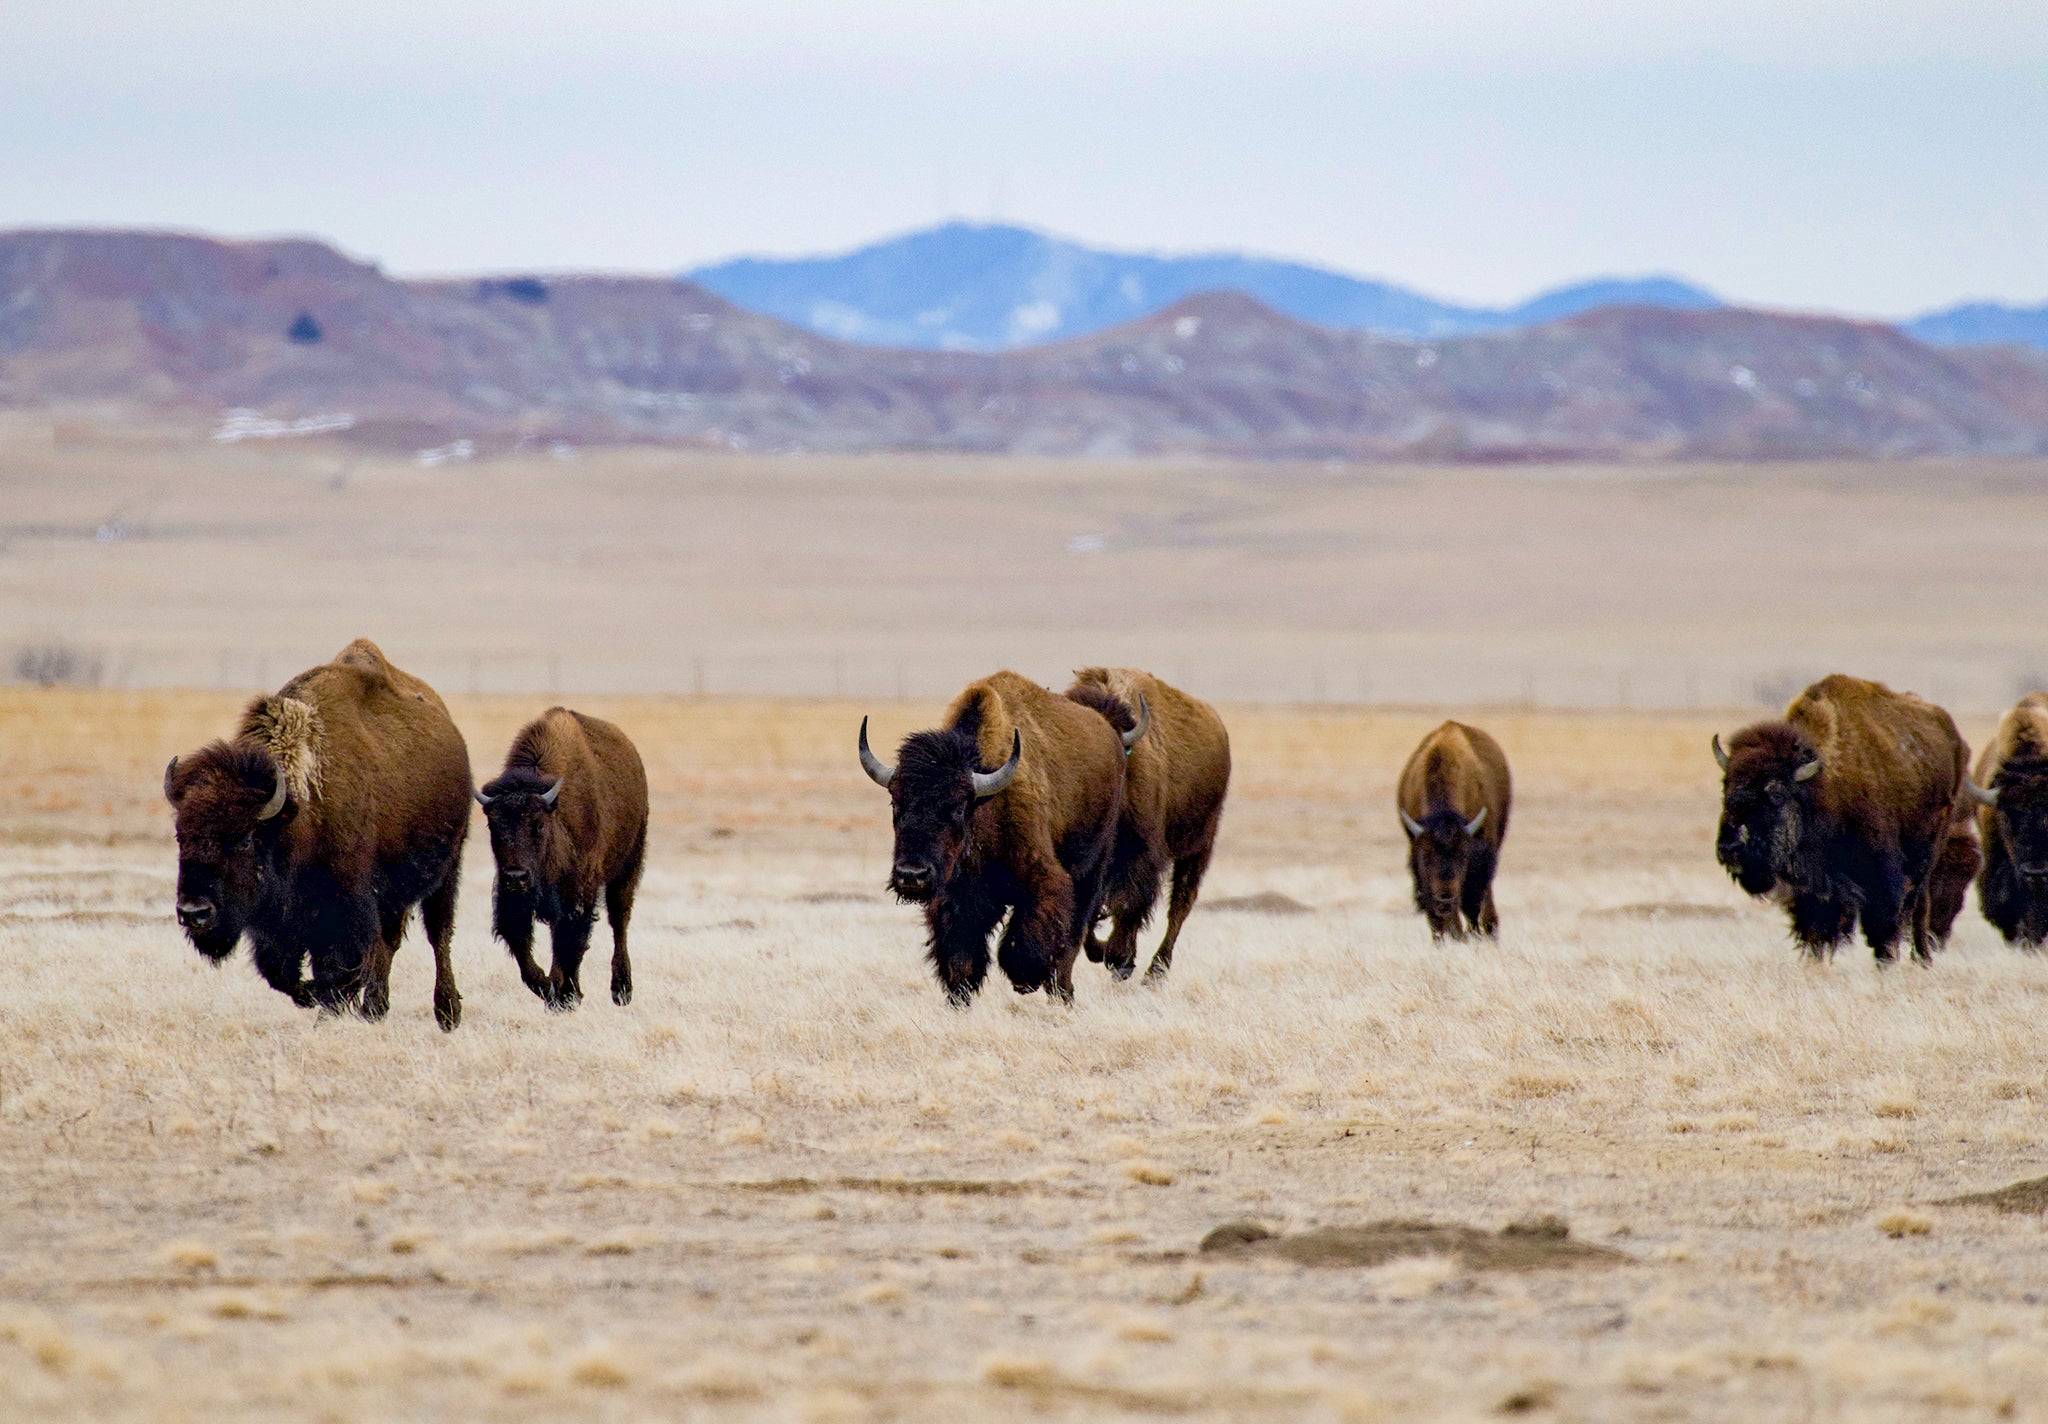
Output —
<point x="1807" y="772"/>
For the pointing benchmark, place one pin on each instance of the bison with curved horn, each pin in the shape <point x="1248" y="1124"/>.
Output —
<point x="1176" y="774"/>
<point x="2009" y="794"/>
<point x="341" y="803"/>
<point x="1454" y="797"/>
<point x="568" y="820"/>
<point x="1841" y="811"/>
<point x="1009" y="806"/>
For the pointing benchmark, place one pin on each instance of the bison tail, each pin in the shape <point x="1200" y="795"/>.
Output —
<point x="1119" y="713"/>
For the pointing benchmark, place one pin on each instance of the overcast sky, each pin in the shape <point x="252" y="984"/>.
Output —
<point x="1880" y="156"/>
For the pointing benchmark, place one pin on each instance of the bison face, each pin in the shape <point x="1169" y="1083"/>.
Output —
<point x="1440" y="850"/>
<point x="1766" y="804"/>
<point x="2022" y="813"/>
<point x="934" y="790"/>
<point x="519" y="807"/>
<point x="231" y="808"/>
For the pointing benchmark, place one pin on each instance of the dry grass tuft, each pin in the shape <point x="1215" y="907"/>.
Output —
<point x="192" y="1256"/>
<point x="1011" y="1371"/>
<point x="1149" y="1174"/>
<point x="599" y="1367"/>
<point x="1904" y="1222"/>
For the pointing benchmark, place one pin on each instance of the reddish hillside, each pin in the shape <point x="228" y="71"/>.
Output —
<point x="134" y="326"/>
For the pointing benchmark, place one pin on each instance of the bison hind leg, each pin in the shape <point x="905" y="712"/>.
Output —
<point x="1187" y="883"/>
<point x="618" y="910"/>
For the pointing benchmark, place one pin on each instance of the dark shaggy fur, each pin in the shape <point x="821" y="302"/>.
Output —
<point x="2014" y="890"/>
<point x="556" y="860"/>
<point x="375" y="815"/>
<point x="1960" y="860"/>
<point x="1175" y="779"/>
<point x="1859" y="838"/>
<point x="1036" y="850"/>
<point x="1454" y="774"/>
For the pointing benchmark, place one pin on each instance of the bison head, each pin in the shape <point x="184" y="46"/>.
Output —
<point x="2018" y="798"/>
<point x="933" y="790"/>
<point x="1440" y="847"/>
<point x="1768" y="786"/>
<point x="231" y="805"/>
<point x="519" y="807"/>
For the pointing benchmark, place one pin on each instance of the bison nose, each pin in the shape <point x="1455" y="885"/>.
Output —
<point x="517" y="879"/>
<point x="196" y="914"/>
<point x="911" y="875"/>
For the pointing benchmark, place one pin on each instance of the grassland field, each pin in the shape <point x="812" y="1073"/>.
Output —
<point x="788" y="1183"/>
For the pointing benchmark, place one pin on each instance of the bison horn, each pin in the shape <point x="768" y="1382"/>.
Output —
<point x="1808" y="771"/>
<point x="879" y="771"/>
<point x="1978" y="793"/>
<point x="483" y="800"/>
<point x="547" y="797"/>
<point x="169" y="772"/>
<point x="1413" y="826"/>
<point x="276" y="801"/>
<point x="1719" y="755"/>
<point x="1472" y="826"/>
<point x="1130" y="738"/>
<point x="988" y="783"/>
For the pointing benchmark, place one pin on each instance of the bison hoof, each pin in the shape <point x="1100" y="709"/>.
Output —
<point x="448" y="1012"/>
<point x="563" y="1003"/>
<point x="1124" y="969"/>
<point x="962" y="999"/>
<point x="376" y="1004"/>
<point x="622" y="993"/>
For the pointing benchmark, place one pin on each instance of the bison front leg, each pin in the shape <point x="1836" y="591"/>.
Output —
<point x="282" y="963"/>
<point x="960" y="922"/>
<point x="1886" y="903"/>
<point x="570" y="940"/>
<point x="1039" y="947"/>
<point x="1820" y="922"/>
<point x="512" y="923"/>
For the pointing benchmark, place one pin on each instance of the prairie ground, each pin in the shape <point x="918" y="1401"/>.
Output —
<point x="789" y="1183"/>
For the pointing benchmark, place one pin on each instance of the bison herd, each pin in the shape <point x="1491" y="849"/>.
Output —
<point x="342" y="803"/>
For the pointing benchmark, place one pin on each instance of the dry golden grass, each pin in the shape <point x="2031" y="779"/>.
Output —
<point x="788" y="1183"/>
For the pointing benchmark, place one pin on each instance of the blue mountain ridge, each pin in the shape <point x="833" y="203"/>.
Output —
<point x="975" y="287"/>
<point x="1983" y="324"/>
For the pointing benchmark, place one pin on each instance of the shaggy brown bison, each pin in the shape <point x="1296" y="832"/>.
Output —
<point x="1454" y="797"/>
<point x="1009" y="805"/>
<point x="341" y="803"/>
<point x="2010" y="794"/>
<point x="1841" y="810"/>
<point x="1175" y="778"/>
<point x="568" y="820"/>
<point x="1960" y="860"/>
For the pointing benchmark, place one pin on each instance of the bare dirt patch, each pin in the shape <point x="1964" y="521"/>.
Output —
<point x="1266" y="902"/>
<point x="2029" y="1197"/>
<point x="1535" y="1243"/>
<point x="1656" y="910"/>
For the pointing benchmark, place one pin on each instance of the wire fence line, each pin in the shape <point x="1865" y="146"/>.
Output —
<point x="1257" y="678"/>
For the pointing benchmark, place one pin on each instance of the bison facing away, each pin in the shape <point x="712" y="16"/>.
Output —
<point x="1454" y="797"/>
<point x="1841" y="810"/>
<point x="1175" y="778"/>
<point x="1010" y="805"/>
<point x="341" y="803"/>
<point x="568" y="820"/>
<point x="2010" y="793"/>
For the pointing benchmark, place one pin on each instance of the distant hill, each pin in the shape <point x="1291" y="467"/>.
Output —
<point x="168" y="329"/>
<point x="1984" y="324"/>
<point x="970" y="287"/>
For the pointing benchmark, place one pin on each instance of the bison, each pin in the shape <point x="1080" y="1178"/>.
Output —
<point x="2009" y="791"/>
<point x="1454" y="797"/>
<point x="1011" y="804"/>
<point x="1841" y="811"/>
<point x="1961" y="858"/>
<point x="568" y="821"/>
<point x="1175" y="779"/>
<point x="341" y="803"/>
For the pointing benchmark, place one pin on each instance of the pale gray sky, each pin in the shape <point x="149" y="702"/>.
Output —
<point x="1863" y="155"/>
